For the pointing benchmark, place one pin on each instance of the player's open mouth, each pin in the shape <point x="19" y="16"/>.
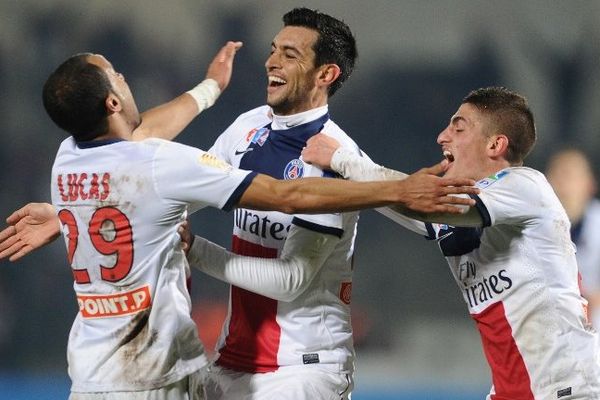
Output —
<point x="449" y="156"/>
<point x="275" y="81"/>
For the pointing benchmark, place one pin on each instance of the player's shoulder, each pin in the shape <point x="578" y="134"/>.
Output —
<point x="526" y="184"/>
<point x="331" y="128"/>
<point x="256" y="115"/>
<point x="247" y="122"/>
<point x="161" y="148"/>
<point x="516" y="176"/>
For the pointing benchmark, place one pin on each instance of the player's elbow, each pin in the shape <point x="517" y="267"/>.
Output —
<point x="296" y="282"/>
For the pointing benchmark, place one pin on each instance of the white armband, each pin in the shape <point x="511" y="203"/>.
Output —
<point x="205" y="93"/>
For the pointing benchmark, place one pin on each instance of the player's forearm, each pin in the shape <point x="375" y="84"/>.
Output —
<point x="319" y="195"/>
<point x="170" y="119"/>
<point x="282" y="279"/>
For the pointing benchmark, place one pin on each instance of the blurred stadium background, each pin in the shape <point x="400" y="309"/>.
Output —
<point x="417" y="60"/>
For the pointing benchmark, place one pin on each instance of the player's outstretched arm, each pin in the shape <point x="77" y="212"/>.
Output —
<point x="30" y="228"/>
<point x="420" y="192"/>
<point x="168" y="120"/>
<point x="326" y="153"/>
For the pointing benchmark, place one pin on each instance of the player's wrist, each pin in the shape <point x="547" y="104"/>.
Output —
<point x="338" y="161"/>
<point x="205" y="94"/>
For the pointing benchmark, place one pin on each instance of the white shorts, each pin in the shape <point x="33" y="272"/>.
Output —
<point x="289" y="383"/>
<point x="189" y="388"/>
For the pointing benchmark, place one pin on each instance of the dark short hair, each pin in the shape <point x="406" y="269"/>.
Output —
<point x="510" y="115"/>
<point x="74" y="97"/>
<point x="335" y="44"/>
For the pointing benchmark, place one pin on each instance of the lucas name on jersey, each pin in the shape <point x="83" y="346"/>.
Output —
<point x="83" y="186"/>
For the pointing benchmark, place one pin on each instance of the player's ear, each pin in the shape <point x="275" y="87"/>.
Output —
<point x="113" y="103"/>
<point x="328" y="73"/>
<point x="498" y="145"/>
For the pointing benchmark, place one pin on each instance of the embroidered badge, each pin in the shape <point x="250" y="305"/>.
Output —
<point x="258" y="136"/>
<point x="294" y="169"/>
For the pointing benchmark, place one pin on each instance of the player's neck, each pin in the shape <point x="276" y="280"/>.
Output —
<point x="491" y="169"/>
<point x="117" y="129"/>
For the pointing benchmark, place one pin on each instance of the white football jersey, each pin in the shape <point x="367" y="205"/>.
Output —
<point x="120" y="204"/>
<point x="519" y="278"/>
<point x="260" y="334"/>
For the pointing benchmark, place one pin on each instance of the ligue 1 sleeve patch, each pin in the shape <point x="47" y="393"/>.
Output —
<point x="258" y="135"/>
<point x="485" y="182"/>
<point x="212" y="161"/>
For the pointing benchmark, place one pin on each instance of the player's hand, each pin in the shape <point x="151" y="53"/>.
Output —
<point x="426" y="192"/>
<point x="221" y="67"/>
<point x="319" y="150"/>
<point x="187" y="238"/>
<point x="31" y="227"/>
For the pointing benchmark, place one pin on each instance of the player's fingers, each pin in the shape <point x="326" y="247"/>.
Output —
<point x="21" y="253"/>
<point x="228" y="51"/>
<point x="457" y="181"/>
<point x="9" y="242"/>
<point x="436" y="169"/>
<point x="7" y="233"/>
<point x="11" y="250"/>
<point x="315" y="139"/>
<point x="457" y="200"/>
<point x="460" y="190"/>
<point x="17" y="215"/>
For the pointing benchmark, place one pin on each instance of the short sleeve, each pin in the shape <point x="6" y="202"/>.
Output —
<point x="513" y="196"/>
<point x="189" y="175"/>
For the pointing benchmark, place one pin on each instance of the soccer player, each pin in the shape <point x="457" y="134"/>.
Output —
<point x="571" y="176"/>
<point x="297" y="345"/>
<point x="511" y="255"/>
<point x="120" y="202"/>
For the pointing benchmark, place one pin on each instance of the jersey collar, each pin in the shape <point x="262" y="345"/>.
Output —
<point x="97" y="143"/>
<point x="283" y="122"/>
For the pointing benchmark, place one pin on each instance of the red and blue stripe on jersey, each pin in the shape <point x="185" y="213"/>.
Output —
<point x="253" y="339"/>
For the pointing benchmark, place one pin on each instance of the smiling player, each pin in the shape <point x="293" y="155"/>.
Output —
<point x="511" y="255"/>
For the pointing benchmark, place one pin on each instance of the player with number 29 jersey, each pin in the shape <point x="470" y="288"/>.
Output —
<point x="133" y="330"/>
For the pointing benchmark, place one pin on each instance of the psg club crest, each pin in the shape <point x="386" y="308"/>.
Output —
<point x="258" y="136"/>
<point x="294" y="169"/>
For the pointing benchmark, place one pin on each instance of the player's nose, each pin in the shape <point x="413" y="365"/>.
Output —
<point x="442" y="136"/>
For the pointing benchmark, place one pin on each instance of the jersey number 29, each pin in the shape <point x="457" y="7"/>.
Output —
<point x="121" y="245"/>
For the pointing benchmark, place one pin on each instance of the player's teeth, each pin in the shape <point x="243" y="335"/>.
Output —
<point x="276" y="79"/>
<point x="448" y="155"/>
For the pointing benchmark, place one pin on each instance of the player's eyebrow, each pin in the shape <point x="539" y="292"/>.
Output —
<point x="456" y="119"/>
